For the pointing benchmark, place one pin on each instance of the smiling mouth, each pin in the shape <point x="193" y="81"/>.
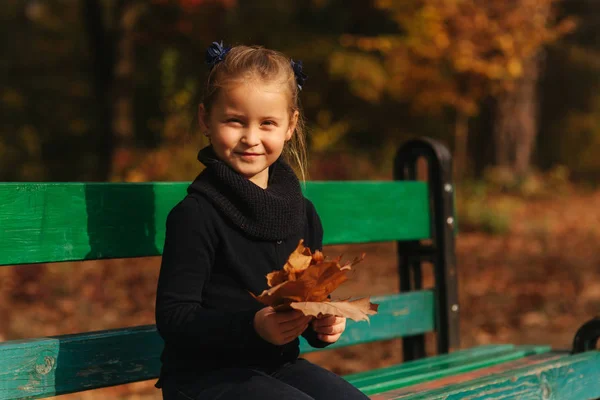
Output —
<point x="248" y="154"/>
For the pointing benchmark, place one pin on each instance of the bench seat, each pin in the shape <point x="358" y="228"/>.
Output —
<point x="431" y="368"/>
<point x="551" y="375"/>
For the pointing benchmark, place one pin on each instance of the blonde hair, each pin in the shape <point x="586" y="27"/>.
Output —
<point x="243" y="63"/>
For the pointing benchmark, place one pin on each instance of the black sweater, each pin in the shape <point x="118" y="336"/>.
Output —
<point x="204" y="311"/>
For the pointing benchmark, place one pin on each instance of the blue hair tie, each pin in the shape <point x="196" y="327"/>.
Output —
<point x="300" y="76"/>
<point x="216" y="53"/>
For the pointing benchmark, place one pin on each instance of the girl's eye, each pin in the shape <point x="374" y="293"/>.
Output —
<point x="269" y="122"/>
<point x="233" y="120"/>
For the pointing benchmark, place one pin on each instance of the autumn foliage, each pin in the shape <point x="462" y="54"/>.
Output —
<point x="306" y="282"/>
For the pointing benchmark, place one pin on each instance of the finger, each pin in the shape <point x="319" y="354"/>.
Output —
<point x="329" y="338"/>
<point x="324" y="321"/>
<point x="291" y="326"/>
<point x="330" y="320"/>
<point x="288" y="316"/>
<point x="289" y="336"/>
<point x="302" y="329"/>
<point x="321" y="316"/>
<point x="330" y="330"/>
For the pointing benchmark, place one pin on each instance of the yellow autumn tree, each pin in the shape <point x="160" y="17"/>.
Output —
<point x="453" y="53"/>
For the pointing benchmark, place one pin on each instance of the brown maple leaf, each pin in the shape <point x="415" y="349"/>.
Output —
<point x="284" y="293"/>
<point x="298" y="261"/>
<point x="326" y="277"/>
<point x="305" y="278"/>
<point x="357" y="310"/>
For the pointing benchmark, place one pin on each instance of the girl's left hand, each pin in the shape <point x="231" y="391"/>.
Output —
<point x="329" y="328"/>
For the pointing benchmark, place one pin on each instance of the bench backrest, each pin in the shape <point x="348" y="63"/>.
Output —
<point x="54" y="222"/>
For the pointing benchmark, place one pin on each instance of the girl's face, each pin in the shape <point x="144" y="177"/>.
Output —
<point x="248" y="125"/>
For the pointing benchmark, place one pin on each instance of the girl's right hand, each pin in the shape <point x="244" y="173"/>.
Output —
<point x="279" y="328"/>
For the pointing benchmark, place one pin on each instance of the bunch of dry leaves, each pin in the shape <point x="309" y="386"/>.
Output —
<point x="306" y="282"/>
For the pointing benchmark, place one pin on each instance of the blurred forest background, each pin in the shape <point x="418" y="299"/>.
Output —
<point x="107" y="90"/>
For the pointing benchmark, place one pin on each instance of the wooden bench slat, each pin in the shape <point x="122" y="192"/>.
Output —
<point x="458" y="355"/>
<point x="70" y="363"/>
<point x="467" y="376"/>
<point x="405" y="375"/>
<point x="361" y="212"/>
<point x="572" y="377"/>
<point x="51" y="222"/>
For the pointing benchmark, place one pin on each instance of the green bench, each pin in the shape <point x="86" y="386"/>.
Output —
<point x="54" y="222"/>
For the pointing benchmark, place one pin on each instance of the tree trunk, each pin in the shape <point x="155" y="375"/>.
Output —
<point x="126" y="17"/>
<point x="516" y="125"/>
<point x="123" y="121"/>
<point x="102" y="57"/>
<point x="461" y="136"/>
<point x="113" y="66"/>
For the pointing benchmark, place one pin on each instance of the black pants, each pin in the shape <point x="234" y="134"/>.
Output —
<point x="299" y="380"/>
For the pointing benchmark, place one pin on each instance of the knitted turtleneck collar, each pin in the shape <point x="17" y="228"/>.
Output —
<point x="273" y="213"/>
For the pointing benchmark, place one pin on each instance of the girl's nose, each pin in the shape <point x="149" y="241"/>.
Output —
<point x="251" y="136"/>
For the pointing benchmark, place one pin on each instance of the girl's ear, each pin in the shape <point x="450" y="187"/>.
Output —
<point x="203" y="119"/>
<point x="292" y="127"/>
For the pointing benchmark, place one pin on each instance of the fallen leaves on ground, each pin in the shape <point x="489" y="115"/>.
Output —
<point x="306" y="282"/>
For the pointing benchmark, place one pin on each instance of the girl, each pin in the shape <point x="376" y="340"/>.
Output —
<point x="243" y="216"/>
